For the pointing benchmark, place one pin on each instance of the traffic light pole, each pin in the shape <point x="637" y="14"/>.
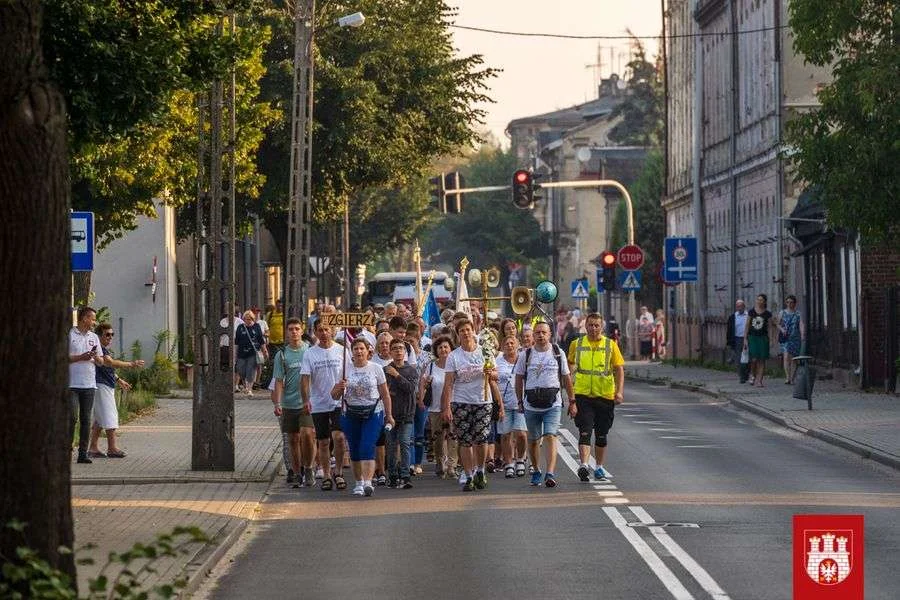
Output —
<point x="590" y="183"/>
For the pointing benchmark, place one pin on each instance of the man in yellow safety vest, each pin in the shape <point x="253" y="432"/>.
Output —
<point x="599" y="370"/>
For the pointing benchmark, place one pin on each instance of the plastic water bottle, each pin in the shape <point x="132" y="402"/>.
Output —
<point x="388" y="427"/>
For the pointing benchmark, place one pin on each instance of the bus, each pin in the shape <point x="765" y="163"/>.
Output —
<point x="400" y="286"/>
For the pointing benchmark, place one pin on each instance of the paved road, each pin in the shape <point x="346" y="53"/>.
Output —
<point x="675" y="457"/>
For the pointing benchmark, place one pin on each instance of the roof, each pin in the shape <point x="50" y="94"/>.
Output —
<point x="573" y="116"/>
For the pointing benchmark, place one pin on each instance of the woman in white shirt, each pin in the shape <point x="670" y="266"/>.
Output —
<point x="465" y="403"/>
<point x="366" y="410"/>
<point x="512" y="429"/>
<point x="443" y="444"/>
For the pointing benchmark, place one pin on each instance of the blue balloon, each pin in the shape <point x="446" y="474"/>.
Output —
<point x="546" y="292"/>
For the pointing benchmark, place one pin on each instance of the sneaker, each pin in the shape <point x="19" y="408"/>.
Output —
<point x="584" y="474"/>
<point x="535" y="477"/>
<point x="550" y="480"/>
<point x="600" y="474"/>
<point x="463" y="477"/>
<point x="309" y="478"/>
<point x="520" y="468"/>
<point x="249" y="392"/>
<point x="405" y="484"/>
<point x="83" y="458"/>
<point x="412" y="471"/>
<point x="368" y="490"/>
<point x="418" y="469"/>
<point x="468" y="486"/>
<point x="291" y="478"/>
<point x="358" y="489"/>
<point x="320" y="474"/>
<point x="381" y="480"/>
<point x="510" y="472"/>
<point x="392" y="482"/>
<point x="489" y="466"/>
<point x="480" y="480"/>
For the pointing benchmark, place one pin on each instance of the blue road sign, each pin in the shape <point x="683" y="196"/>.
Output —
<point x="82" y="238"/>
<point x="600" y="289"/>
<point x="580" y="289"/>
<point x="630" y="281"/>
<point x="680" y="259"/>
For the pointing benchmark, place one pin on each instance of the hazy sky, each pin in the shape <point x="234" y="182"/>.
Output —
<point x="543" y="74"/>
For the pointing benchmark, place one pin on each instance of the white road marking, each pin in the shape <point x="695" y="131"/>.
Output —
<point x="679" y="437"/>
<point x="669" y="429"/>
<point x="653" y="560"/>
<point x="601" y="486"/>
<point x="573" y="442"/>
<point x="700" y="446"/>
<point x="651" y="422"/>
<point x="697" y="572"/>
<point x="659" y="568"/>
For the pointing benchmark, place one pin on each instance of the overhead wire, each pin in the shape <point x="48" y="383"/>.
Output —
<point x="565" y="36"/>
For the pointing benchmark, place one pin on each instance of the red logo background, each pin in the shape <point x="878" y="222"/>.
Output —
<point x="851" y="588"/>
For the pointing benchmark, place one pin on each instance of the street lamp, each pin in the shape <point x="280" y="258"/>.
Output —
<point x="300" y="191"/>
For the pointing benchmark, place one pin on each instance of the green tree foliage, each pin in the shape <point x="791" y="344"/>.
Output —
<point x="489" y="230"/>
<point x="129" y="72"/>
<point x="390" y="97"/>
<point x="850" y="146"/>
<point x="649" y="225"/>
<point x="642" y="108"/>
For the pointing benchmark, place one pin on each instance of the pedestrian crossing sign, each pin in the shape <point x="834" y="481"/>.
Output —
<point x="580" y="289"/>
<point x="630" y="281"/>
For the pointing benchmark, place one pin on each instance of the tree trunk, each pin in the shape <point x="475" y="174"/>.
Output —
<point x="81" y="283"/>
<point x="35" y="441"/>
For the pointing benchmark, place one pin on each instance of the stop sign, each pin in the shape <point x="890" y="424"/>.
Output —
<point x="631" y="257"/>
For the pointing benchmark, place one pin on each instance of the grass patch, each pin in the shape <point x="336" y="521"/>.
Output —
<point x="133" y="404"/>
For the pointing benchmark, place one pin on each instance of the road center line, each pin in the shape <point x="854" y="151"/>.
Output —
<point x="653" y="560"/>
<point x="697" y="572"/>
<point x="659" y="568"/>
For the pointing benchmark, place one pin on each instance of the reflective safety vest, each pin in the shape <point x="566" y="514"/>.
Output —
<point x="593" y="377"/>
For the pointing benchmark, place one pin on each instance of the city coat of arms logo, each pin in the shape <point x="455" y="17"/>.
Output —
<point x="828" y="557"/>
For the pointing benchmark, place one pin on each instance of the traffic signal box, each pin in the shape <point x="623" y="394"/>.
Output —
<point x="523" y="189"/>
<point x="442" y="188"/>
<point x="608" y="270"/>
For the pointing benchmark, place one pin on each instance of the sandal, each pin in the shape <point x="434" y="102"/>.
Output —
<point x="95" y="454"/>
<point x="520" y="468"/>
<point x="510" y="472"/>
<point x="339" y="482"/>
<point x="115" y="454"/>
<point x="326" y="485"/>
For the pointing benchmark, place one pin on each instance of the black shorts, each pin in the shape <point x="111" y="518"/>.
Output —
<point x="594" y="414"/>
<point x="293" y="419"/>
<point x="326" y="422"/>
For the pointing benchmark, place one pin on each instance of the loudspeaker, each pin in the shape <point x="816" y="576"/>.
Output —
<point x="520" y="300"/>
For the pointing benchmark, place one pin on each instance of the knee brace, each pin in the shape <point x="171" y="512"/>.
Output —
<point x="584" y="438"/>
<point x="600" y="441"/>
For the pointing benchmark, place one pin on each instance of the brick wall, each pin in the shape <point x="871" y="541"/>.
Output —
<point x="879" y="271"/>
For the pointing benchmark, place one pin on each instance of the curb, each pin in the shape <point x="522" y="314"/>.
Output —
<point x="845" y="443"/>
<point x="197" y="570"/>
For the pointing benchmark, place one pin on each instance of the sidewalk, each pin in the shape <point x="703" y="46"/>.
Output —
<point x="118" y="502"/>
<point x="865" y="423"/>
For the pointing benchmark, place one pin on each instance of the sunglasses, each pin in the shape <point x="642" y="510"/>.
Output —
<point x="109" y="334"/>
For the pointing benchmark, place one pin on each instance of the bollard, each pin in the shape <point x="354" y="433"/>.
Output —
<point x="804" y="378"/>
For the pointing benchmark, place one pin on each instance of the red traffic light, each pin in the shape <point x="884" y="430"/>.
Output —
<point x="522" y="176"/>
<point x="608" y="259"/>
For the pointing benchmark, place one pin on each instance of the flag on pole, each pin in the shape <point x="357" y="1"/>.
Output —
<point x="462" y="292"/>
<point x="432" y="314"/>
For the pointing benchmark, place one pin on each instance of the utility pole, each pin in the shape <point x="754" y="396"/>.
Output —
<point x="212" y="438"/>
<point x="300" y="189"/>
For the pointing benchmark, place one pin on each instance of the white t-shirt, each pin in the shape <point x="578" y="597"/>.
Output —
<point x="507" y="382"/>
<point x="468" y="387"/>
<point x="437" y="386"/>
<point x="424" y="341"/>
<point x="81" y="373"/>
<point x="325" y="368"/>
<point x="362" y="385"/>
<point x="543" y="371"/>
<point x="381" y="362"/>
